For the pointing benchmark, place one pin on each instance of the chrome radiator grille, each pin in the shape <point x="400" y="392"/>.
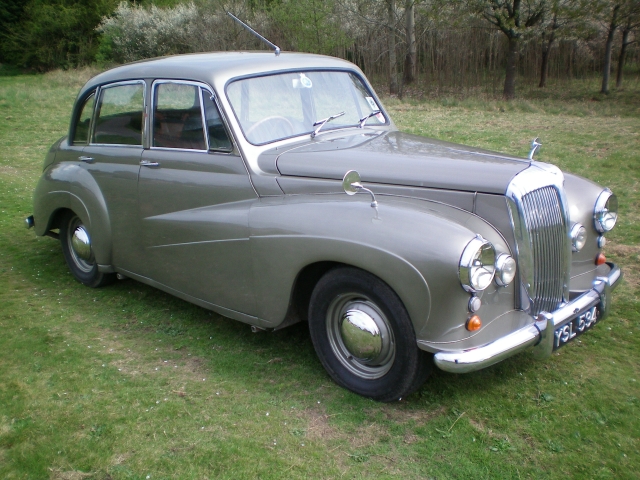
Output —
<point x="546" y="224"/>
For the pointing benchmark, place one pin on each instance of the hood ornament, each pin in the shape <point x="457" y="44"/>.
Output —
<point x="534" y="147"/>
<point x="351" y="185"/>
<point x="276" y="48"/>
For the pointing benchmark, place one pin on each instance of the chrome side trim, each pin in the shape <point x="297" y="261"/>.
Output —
<point x="539" y="334"/>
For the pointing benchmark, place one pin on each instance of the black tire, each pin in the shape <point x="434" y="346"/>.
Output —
<point x="385" y="367"/>
<point x="82" y="264"/>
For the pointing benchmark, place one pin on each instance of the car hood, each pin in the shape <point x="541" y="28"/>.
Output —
<point x="398" y="158"/>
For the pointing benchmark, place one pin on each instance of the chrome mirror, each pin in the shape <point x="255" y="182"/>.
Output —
<point x="351" y="185"/>
<point x="351" y="182"/>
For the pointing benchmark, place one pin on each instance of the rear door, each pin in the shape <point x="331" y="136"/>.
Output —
<point x="112" y="157"/>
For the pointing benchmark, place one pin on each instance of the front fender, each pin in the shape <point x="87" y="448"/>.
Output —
<point x="69" y="186"/>
<point x="410" y="244"/>
<point x="581" y="196"/>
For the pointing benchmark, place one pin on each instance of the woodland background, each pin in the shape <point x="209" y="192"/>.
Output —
<point x="454" y="46"/>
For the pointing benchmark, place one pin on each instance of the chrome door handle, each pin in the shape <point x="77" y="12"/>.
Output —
<point x="147" y="163"/>
<point x="82" y="158"/>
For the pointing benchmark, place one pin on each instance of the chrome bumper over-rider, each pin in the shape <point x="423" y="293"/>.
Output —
<point x="540" y="334"/>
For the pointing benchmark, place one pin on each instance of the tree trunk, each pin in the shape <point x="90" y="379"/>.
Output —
<point x="606" y="71"/>
<point x="546" y="50"/>
<point x="393" y="61"/>
<point x="510" y="77"/>
<point x="623" y="53"/>
<point x="411" y="57"/>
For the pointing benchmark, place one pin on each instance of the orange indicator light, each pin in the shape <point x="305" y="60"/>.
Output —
<point x="600" y="259"/>
<point x="474" y="323"/>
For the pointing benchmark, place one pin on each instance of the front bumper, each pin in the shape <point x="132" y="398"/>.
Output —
<point x="539" y="334"/>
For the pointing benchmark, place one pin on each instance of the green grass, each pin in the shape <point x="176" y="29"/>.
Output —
<point x="126" y="382"/>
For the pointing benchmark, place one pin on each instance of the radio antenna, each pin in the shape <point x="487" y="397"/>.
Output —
<point x="272" y="45"/>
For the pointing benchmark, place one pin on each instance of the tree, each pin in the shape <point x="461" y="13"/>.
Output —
<point x="632" y="23"/>
<point x="52" y="33"/>
<point x="410" y="35"/>
<point x="393" y="61"/>
<point x="513" y="19"/>
<point x="546" y="48"/>
<point x="563" y="16"/>
<point x="308" y="25"/>
<point x="611" y="30"/>
<point x="617" y="13"/>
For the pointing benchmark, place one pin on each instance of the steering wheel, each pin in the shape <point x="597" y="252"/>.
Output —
<point x="283" y="121"/>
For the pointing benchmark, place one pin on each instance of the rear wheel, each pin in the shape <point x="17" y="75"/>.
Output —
<point x="364" y="337"/>
<point x="76" y="247"/>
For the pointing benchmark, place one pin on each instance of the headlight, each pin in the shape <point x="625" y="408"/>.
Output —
<point x="578" y="237"/>
<point x="477" y="264"/>
<point x="505" y="269"/>
<point x="605" y="213"/>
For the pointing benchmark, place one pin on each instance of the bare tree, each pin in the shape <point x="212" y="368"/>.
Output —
<point x="613" y="25"/>
<point x="410" y="34"/>
<point x="546" y="48"/>
<point x="632" y="23"/>
<point x="393" y="61"/>
<point x="512" y="19"/>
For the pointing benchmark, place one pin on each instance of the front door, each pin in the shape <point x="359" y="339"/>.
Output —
<point x="194" y="196"/>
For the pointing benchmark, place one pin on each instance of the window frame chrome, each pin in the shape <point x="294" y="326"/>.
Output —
<point x="74" y="126"/>
<point x="98" y="102"/>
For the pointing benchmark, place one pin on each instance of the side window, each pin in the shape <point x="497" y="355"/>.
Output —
<point x="81" y="131"/>
<point x="177" y="117"/>
<point x="218" y="138"/>
<point x="119" y="117"/>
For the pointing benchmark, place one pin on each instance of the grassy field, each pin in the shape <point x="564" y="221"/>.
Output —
<point x="126" y="382"/>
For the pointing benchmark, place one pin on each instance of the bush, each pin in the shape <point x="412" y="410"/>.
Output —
<point x="136" y="32"/>
<point x="47" y="34"/>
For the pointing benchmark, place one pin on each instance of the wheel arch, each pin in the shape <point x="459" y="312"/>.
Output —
<point x="80" y="195"/>
<point x="285" y="297"/>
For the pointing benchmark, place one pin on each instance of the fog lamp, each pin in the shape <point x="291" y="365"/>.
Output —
<point x="578" y="237"/>
<point x="505" y="269"/>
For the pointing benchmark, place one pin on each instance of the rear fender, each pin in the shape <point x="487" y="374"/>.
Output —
<point x="69" y="186"/>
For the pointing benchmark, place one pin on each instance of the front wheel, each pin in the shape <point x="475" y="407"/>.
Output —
<point x="364" y="337"/>
<point x="77" y="251"/>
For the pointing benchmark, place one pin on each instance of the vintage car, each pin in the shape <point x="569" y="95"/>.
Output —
<point x="275" y="188"/>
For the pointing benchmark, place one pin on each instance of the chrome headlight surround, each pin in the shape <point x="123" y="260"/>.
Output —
<point x="578" y="237"/>
<point x="605" y="212"/>
<point x="505" y="269"/>
<point x="477" y="265"/>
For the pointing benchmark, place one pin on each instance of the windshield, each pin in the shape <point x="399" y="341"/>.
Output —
<point x="280" y="106"/>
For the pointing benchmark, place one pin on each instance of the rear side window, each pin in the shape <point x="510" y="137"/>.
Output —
<point x="119" y="115"/>
<point x="81" y="131"/>
<point x="177" y="117"/>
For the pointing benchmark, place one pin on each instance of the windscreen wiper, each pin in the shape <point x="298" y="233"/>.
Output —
<point x="320" y="123"/>
<point x="364" y="119"/>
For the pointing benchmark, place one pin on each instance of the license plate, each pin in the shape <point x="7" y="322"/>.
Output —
<point x="575" y="327"/>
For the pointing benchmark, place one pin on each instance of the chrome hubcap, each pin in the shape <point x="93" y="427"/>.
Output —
<point x="80" y="245"/>
<point x="360" y="336"/>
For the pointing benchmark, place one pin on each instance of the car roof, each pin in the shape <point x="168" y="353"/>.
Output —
<point x="222" y="66"/>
